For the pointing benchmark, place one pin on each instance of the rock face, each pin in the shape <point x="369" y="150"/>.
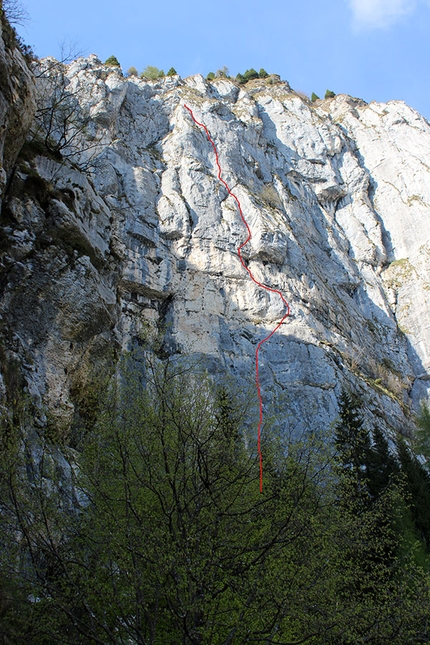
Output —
<point x="17" y="101"/>
<point x="392" y="141"/>
<point x="139" y="231"/>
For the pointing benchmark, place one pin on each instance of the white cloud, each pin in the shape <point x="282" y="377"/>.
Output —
<point x="379" y="13"/>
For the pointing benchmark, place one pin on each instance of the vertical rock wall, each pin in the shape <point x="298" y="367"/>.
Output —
<point x="17" y="101"/>
<point x="138" y="231"/>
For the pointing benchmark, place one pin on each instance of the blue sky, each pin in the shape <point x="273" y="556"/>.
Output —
<point x="372" y="49"/>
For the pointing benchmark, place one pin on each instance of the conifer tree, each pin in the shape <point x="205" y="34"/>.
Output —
<point x="352" y="442"/>
<point x="381" y="465"/>
<point x="418" y="485"/>
<point x="423" y="433"/>
<point x="112" y="61"/>
<point x="250" y="74"/>
<point x="155" y="530"/>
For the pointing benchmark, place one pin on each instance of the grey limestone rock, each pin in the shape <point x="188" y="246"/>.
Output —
<point x="142" y="233"/>
<point x="17" y="102"/>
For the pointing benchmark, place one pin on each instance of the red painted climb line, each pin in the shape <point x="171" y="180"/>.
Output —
<point x="239" y="252"/>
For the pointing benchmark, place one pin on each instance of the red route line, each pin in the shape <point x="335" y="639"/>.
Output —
<point x="239" y="252"/>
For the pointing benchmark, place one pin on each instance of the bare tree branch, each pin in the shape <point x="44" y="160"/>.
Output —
<point x="62" y="123"/>
<point x="15" y="12"/>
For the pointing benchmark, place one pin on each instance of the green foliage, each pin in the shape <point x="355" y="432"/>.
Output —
<point x="423" y="432"/>
<point x="250" y="74"/>
<point x="418" y="484"/>
<point x="363" y="457"/>
<point x="132" y="71"/>
<point x="262" y="73"/>
<point x="352" y="441"/>
<point x="373" y="495"/>
<point x="382" y="468"/>
<point x="112" y="61"/>
<point x="247" y="76"/>
<point x="329" y="94"/>
<point x="373" y="473"/>
<point x="152" y="73"/>
<point x="210" y="76"/>
<point x="155" y="530"/>
<point x="314" y="97"/>
<point x="172" y="72"/>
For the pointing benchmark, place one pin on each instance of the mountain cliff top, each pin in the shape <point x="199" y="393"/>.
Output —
<point x="115" y="220"/>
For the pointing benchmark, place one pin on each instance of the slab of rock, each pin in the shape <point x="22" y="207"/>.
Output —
<point x="141" y="232"/>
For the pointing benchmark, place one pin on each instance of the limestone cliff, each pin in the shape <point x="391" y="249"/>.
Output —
<point x="129" y="226"/>
<point x="17" y="101"/>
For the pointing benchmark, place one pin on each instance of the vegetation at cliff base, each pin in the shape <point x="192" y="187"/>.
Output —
<point x="154" y="529"/>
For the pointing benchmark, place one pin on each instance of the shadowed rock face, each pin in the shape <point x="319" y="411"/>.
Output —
<point x="17" y="102"/>
<point x="337" y="198"/>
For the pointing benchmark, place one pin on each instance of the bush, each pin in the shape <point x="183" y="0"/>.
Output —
<point x="112" y="61"/>
<point x="223" y="72"/>
<point x="210" y="76"/>
<point x="314" y="97"/>
<point x="152" y="73"/>
<point x="262" y="73"/>
<point x="250" y="74"/>
<point x="329" y="94"/>
<point x="132" y="71"/>
<point x="26" y="50"/>
<point x="172" y="72"/>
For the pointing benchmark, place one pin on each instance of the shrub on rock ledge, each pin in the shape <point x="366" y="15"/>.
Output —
<point x="152" y="73"/>
<point x="112" y="61"/>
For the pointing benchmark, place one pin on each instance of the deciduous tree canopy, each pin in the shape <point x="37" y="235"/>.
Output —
<point x="154" y="530"/>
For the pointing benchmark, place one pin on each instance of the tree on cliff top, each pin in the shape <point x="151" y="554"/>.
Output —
<point x="14" y="11"/>
<point x="152" y="73"/>
<point x="112" y="61"/>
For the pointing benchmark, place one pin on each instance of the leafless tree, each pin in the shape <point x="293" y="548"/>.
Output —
<point x="62" y="123"/>
<point x="14" y="12"/>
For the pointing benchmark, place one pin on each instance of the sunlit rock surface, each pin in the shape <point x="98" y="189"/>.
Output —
<point x="140" y="232"/>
